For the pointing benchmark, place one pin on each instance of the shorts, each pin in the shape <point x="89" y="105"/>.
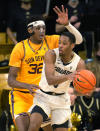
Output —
<point x="56" y="106"/>
<point x="21" y="103"/>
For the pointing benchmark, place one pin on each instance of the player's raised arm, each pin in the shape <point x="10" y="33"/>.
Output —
<point x="63" y="20"/>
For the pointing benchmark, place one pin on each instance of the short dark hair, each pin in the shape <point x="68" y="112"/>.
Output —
<point x="70" y="36"/>
<point x="34" y="18"/>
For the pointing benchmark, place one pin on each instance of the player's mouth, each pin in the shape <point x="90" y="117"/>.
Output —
<point x="42" y="36"/>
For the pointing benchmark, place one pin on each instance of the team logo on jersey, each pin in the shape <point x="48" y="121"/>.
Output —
<point x="61" y="71"/>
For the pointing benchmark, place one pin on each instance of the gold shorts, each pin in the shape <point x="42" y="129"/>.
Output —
<point x="21" y="102"/>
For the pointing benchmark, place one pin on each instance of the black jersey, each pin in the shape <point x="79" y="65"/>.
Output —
<point x="89" y="109"/>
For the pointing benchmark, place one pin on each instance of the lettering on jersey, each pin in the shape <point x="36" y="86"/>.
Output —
<point x="33" y="59"/>
<point x="39" y="58"/>
<point x="61" y="71"/>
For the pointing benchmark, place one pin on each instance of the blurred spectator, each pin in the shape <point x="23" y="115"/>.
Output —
<point x="88" y="106"/>
<point x="19" y="15"/>
<point x="76" y="15"/>
<point x="17" y="20"/>
<point x="89" y="109"/>
<point x="51" y="19"/>
<point x="41" y="7"/>
<point x="93" y="13"/>
<point x="98" y="50"/>
<point x="6" y="118"/>
<point x="95" y="68"/>
<point x="3" y="15"/>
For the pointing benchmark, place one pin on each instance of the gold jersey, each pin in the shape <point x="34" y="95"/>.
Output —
<point x="29" y="57"/>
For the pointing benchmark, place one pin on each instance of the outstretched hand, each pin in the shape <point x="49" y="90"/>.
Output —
<point x="62" y="15"/>
<point x="32" y="89"/>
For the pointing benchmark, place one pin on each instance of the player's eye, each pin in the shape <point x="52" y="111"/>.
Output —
<point x="38" y="28"/>
<point x="44" y="27"/>
<point x="64" y="43"/>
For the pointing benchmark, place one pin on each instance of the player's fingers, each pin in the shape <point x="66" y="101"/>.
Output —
<point x="66" y="11"/>
<point x="35" y="87"/>
<point x="63" y="10"/>
<point x="74" y="74"/>
<point x="57" y="10"/>
<point x="32" y="93"/>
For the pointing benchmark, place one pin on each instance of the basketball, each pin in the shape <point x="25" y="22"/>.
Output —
<point x="84" y="82"/>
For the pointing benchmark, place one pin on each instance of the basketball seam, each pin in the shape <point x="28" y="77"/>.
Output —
<point x="87" y="80"/>
<point x="81" y="86"/>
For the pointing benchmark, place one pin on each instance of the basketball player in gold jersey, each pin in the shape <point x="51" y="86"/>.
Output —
<point x="26" y="64"/>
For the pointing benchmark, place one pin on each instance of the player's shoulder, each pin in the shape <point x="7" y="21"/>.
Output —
<point x="19" y="44"/>
<point x="22" y="43"/>
<point x="82" y="61"/>
<point x="18" y="47"/>
<point x="52" y="36"/>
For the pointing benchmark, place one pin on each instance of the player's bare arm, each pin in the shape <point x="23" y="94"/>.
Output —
<point x="50" y="58"/>
<point x="16" y="84"/>
<point x="81" y="65"/>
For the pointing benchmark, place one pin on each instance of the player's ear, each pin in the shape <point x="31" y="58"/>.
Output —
<point x="73" y="45"/>
<point x="30" y="30"/>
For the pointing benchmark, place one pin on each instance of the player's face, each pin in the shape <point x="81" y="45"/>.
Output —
<point x="65" y="47"/>
<point x="39" y="32"/>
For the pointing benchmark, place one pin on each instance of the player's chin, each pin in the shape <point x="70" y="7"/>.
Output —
<point x="40" y="38"/>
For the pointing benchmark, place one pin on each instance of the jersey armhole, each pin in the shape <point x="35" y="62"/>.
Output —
<point x="46" y="42"/>
<point x="23" y="49"/>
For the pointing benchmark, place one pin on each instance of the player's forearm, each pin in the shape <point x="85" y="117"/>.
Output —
<point x="16" y="84"/>
<point x="74" y="31"/>
<point x="54" y="80"/>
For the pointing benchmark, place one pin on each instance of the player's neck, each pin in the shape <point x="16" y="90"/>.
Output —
<point x="35" y="41"/>
<point x="67" y="58"/>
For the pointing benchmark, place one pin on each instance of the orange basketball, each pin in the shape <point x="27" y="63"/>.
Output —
<point x="84" y="81"/>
